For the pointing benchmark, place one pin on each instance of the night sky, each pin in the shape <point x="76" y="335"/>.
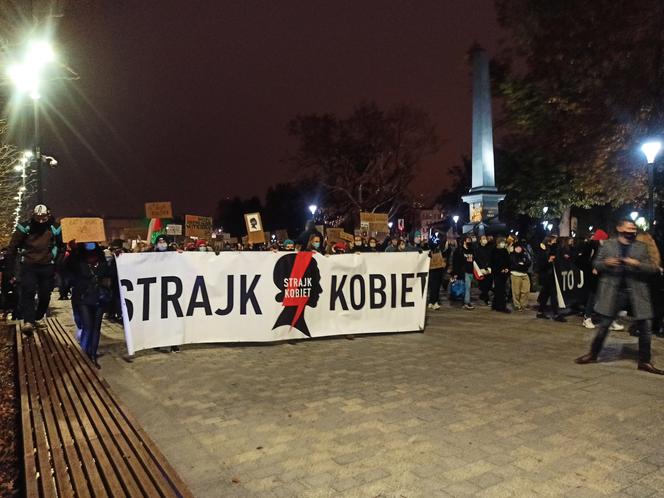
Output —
<point x="188" y="100"/>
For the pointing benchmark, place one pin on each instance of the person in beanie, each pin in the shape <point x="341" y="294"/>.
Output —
<point x="624" y="267"/>
<point x="38" y="241"/>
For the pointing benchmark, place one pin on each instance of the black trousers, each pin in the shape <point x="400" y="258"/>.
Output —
<point x="485" y="286"/>
<point x="39" y="280"/>
<point x="645" y="335"/>
<point x="500" y="291"/>
<point x="435" y="282"/>
<point x="548" y="292"/>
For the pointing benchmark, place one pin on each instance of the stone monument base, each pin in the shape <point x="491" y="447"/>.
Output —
<point x="484" y="212"/>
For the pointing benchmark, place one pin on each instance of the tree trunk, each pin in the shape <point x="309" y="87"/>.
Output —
<point x="565" y="219"/>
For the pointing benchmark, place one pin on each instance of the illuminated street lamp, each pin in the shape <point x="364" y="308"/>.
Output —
<point x="545" y="209"/>
<point x="455" y="218"/>
<point x="390" y="224"/>
<point x="312" y="209"/>
<point x="634" y="215"/>
<point x="27" y="78"/>
<point x="650" y="150"/>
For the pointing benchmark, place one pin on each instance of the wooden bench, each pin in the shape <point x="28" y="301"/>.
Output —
<point x="78" y="439"/>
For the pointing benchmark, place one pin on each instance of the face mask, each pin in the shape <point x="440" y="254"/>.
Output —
<point x="417" y="240"/>
<point x="501" y="245"/>
<point x="315" y="245"/>
<point x="358" y="242"/>
<point x="402" y="247"/>
<point x="161" y="246"/>
<point x="630" y="236"/>
<point x="372" y="244"/>
<point x="90" y="246"/>
<point x="202" y="249"/>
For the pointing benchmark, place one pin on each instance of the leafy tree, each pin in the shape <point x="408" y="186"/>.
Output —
<point x="582" y="85"/>
<point x="363" y="162"/>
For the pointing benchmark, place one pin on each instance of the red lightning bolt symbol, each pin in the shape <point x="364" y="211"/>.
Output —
<point x="302" y="260"/>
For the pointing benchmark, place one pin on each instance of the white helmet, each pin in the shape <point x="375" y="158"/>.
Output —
<point x="41" y="210"/>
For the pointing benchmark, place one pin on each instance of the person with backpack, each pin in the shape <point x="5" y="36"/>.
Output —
<point x="35" y="243"/>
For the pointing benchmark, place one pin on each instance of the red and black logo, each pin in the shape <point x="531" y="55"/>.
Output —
<point x="298" y="279"/>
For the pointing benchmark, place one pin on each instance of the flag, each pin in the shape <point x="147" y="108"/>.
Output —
<point x="477" y="272"/>
<point x="154" y="229"/>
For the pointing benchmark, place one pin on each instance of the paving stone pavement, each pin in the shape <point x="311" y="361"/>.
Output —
<point x="481" y="404"/>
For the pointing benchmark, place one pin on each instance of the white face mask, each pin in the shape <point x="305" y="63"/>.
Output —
<point x="484" y="242"/>
<point x="501" y="245"/>
<point x="162" y="246"/>
<point x="417" y="240"/>
<point x="202" y="249"/>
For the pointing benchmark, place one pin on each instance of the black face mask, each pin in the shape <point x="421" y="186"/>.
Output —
<point x="630" y="236"/>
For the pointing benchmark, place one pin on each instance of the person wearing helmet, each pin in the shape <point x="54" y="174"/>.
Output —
<point x="36" y="243"/>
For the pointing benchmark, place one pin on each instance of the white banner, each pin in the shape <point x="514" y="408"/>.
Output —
<point x="182" y="298"/>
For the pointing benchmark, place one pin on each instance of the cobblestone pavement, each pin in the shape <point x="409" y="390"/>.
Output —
<point x="480" y="404"/>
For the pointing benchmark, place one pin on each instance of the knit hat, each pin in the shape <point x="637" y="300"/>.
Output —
<point x="288" y="242"/>
<point x="600" y="235"/>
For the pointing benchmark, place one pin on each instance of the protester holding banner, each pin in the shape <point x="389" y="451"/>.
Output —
<point x="519" y="265"/>
<point x="546" y="270"/>
<point x="624" y="267"/>
<point x="91" y="293"/>
<point x="314" y="243"/>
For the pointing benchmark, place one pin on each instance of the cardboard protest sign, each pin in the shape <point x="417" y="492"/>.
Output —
<point x="197" y="226"/>
<point x="334" y="235"/>
<point x="158" y="210"/>
<point x="374" y="222"/>
<point x="348" y="237"/>
<point x="172" y="229"/>
<point x="83" y="229"/>
<point x="254" y="224"/>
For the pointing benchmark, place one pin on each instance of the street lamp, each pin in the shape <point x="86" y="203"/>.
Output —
<point x="634" y="215"/>
<point x="26" y="77"/>
<point x="545" y="209"/>
<point x="651" y="149"/>
<point x="390" y="224"/>
<point x="313" y="208"/>
<point x="455" y="218"/>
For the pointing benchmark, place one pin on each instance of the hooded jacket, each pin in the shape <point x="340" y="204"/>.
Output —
<point x="38" y="243"/>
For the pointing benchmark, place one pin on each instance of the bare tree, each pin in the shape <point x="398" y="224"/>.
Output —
<point x="364" y="162"/>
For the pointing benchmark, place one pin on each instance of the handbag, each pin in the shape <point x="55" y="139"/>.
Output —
<point x="457" y="290"/>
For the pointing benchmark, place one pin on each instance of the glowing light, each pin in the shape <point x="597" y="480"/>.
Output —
<point x="545" y="209"/>
<point x="641" y="222"/>
<point x="634" y="215"/>
<point x="455" y="218"/>
<point x="651" y="149"/>
<point x="590" y="228"/>
<point x="549" y="227"/>
<point x="390" y="224"/>
<point x="313" y="208"/>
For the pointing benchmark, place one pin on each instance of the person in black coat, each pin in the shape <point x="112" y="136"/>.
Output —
<point x="484" y="253"/>
<point x="91" y="281"/>
<point x="545" y="260"/>
<point x="500" y="268"/>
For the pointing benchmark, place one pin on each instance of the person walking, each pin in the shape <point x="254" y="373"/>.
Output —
<point x="38" y="241"/>
<point x="625" y="268"/>
<point x="91" y="293"/>
<point x="519" y="264"/>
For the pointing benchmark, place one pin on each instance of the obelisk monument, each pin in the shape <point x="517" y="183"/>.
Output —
<point x="483" y="197"/>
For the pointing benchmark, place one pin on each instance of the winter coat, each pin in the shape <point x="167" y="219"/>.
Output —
<point x="38" y="243"/>
<point x="483" y="255"/>
<point x="91" y="277"/>
<point x="500" y="260"/>
<point x="519" y="261"/>
<point x="636" y="280"/>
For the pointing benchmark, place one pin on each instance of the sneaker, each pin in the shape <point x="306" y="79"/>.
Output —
<point x="435" y="306"/>
<point x="468" y="307"/>
<point x="615" y="326"/>
<point x="588" y="323"/>
<point x="430" y="306"/>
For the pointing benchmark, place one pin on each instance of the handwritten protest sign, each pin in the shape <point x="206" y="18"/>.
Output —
<point x="197" y="226"/>
<point x="83" y="229"/>
<point x="158" y="210"/>
<point x="172" y="229"/>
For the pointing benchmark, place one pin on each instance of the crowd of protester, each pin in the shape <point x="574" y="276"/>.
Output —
<point x="504" y="269"/>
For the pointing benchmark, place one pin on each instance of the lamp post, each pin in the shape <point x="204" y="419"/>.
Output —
<point x="455" y="218"/>
<point x="26" y="77"/>
<point x="312" y="209"/>
<point x="650" y="150"/>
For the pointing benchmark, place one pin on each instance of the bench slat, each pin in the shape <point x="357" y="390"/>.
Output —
<point x="29" y="463"/>
<point x="161" y="474"/>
